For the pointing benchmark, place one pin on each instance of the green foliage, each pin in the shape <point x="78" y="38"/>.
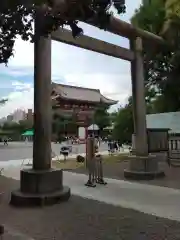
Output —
<point x="14" y="130"/>
<point x="18" y="128"/>
<point x="16" y="18"/>
<point x="3" y="101"/>
<point x="113" y="116"/>
<point x="162" y="66"/>
<point x="25" y="125"/>
<point x="172" y="8"/>
<point x="123" y="124"/>
<point x="102" y="117"/>
<point x="123" y="127"/>
<point x="9" y="126"/>
<point x="150" y="16"/>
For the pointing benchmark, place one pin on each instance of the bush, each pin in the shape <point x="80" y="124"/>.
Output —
<point x="80" y="159"/>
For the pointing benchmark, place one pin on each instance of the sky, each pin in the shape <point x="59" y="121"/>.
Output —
<point x="70" y="65"/>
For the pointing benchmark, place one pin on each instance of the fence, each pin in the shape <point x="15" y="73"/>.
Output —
<point x="174" y="148"/>
<point x="157" y="142"/>
<point x="166" y="146"/>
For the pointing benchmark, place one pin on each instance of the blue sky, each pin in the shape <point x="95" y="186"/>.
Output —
<point x="70" y="65"/>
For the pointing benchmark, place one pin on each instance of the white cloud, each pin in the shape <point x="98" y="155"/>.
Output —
<point x="18" y="99"/>
<point x="76" y="66"/>
<point x="20" y="86"/>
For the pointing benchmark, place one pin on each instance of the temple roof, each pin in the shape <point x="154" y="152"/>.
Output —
<point x="80" y="94"/>
<point x="168" y="120"/>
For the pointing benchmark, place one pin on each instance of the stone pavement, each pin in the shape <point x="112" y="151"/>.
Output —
<point x="12" y="234"/>
<point x="159" y="201"/>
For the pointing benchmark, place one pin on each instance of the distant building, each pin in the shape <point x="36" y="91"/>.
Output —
<point x="18" y="115"/>
<point x="169" y="120"/>
<point x="9" y="118"/>
<point x="30" y="115"/>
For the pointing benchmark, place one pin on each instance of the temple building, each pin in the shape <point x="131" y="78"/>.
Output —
<point x="167" y="120"/>
<point x="79" y="103"/>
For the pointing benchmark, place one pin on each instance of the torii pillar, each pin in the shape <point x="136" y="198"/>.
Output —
<point x="142" y="165"/>
<point x="42" y="184"/>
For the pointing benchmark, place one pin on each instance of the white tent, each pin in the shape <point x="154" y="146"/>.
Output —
<point x="93" y="127"/>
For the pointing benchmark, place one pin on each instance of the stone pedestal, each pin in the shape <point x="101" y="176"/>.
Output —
<point x="143" y="168"/>
<point x="38" y="188"/>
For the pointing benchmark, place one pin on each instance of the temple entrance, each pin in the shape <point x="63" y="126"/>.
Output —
<point x="79" y="104"/>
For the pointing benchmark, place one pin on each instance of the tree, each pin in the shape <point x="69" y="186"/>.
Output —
<point x="18" y="128"/>
<point x="16" y="18"/>
<point x="123" y="127"/>
<point x="113" y="116"/>
<point x="25" y="125"/>
<point x="102" y="118"/>
<point x="172" y="9"/>
<point x="3" y="101"/>
<point x="162" y="65"/>
<point x="123" y="124"/>
<point x="12" y="126"/>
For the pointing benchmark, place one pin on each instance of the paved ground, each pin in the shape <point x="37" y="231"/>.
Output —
<point x="23" y="150"/>
<point x="13" y="234"/>
<point x="115" y="170"/>
<point x="105" y="212"/>
<point x="160" y="201"/>
<point x="82" y="218"/>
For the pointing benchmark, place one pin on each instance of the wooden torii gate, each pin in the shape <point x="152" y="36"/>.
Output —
<point x="42" y="184"/>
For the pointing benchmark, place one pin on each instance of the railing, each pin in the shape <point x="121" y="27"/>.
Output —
<point x="174" y="148"/>
<point x="158" y="143"/>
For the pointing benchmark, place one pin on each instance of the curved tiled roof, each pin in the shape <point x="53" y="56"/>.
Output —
<point x="79" y="93"/>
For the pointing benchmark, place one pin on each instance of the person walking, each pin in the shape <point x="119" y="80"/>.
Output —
<point x="110" y="147"/>
<point x="116" y="147"/>
<point x="6" y="142"/>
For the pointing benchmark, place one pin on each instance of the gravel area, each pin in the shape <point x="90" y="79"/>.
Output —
<point x="81" y="219"/>
<point x="115" y="169"/>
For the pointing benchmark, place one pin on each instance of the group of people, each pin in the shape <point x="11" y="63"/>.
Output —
<point x="113" y="146"/>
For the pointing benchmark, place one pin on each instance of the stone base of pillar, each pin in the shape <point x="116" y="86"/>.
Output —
<point x="143" y="168"/>
<point x="38" y="188"/>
